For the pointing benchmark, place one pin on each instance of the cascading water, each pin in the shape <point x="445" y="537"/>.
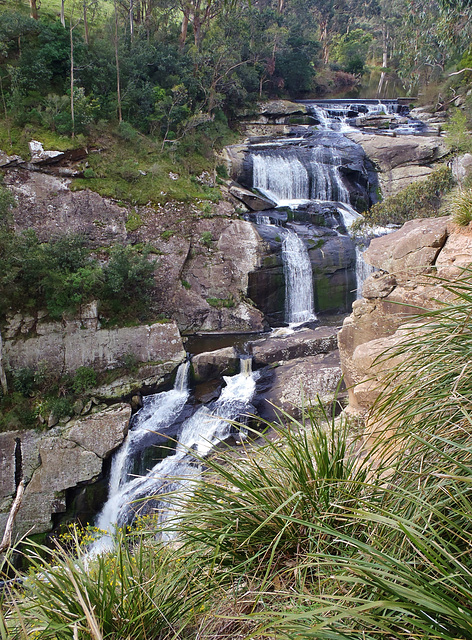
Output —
<point x="363" y="271"/>
<point x="130" y="498"/>
<point x="290" y="178"/>
<point x="298" y="280"/>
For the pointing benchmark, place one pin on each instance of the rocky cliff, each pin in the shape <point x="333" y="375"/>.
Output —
<point x="412" y="266"/>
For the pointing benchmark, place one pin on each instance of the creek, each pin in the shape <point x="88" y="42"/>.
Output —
<point x="317" y="179"/>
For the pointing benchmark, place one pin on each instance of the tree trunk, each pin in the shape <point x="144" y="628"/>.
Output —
<point x="118" y="88"/>
<point x="72" y="115"/>
<point x="63" y="20"/>
<point x="86" y="30"/>
<point x="383" y="75"/>
<point x="3" y="377"/>
<point x="131" y="19"/>
<point x="34" y="9"/>
<point x="184" y="29"/>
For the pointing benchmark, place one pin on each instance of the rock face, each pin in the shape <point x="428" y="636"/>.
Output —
<point x="402" y="160"/>
<point x="199" y="257"/>
<point x="54" y="462"/>
<point x="66" y="348"/>
<point x="412" y="263"/>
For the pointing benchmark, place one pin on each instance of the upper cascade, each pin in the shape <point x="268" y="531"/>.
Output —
<point x="345" y="115"/>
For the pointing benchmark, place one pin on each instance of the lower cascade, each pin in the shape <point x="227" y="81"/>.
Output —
<point x="131" y="497"/>
<point x="298" y="280"/>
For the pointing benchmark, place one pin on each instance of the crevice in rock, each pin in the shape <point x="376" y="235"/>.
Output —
<point x="18" y="462"/>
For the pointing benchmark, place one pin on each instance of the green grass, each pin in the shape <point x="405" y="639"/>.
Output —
<point x="459" y="205"/>
<point x="305" y="533"/>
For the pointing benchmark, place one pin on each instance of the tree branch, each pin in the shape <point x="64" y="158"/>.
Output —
<point x="455" y="73"/>
<point x="6" y="540"/>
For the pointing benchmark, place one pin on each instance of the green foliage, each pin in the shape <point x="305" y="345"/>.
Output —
<point x="186" y="284"/>
<point x="206" y="238"/>
<point x="128" y="281"/>
<point x="133" y="222"/>
<point x="418" y="200"/>
<point x="7" y="202"/>
<point x="350" y="50"/>
<point x="61" y="407"/>
<point x="168" y="233"/>
<point x="219" y="303"/>
<point x="24" y="381"/>
<point x="459" y="205"/>
<point x="84" y="379"/>
<point x="458" y="136"/>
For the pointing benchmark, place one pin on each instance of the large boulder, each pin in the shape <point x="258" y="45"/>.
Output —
<point x="401" y="160"/>
<point x="411" y="250"/>
<point x="416" y="263"/>
<point x="299" y="383"/>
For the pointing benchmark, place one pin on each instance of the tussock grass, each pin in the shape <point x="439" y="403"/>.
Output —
<point x="304" y="535"/>
<point x="458" y="204"/>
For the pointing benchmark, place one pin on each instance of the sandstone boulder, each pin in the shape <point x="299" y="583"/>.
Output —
<point x="213" y="364"/>
<point x="409" y="251"/>
<point x="298" y="384"/>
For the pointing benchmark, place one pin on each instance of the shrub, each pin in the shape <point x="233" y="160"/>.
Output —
<point x="24" y="381"/>
<point x="85" y="378"/>
<point x="458" y="137"/>
<point x="418" y="200"/>
<point x="206" y="238"/>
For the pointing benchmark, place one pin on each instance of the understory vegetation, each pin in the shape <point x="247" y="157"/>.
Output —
<point x="309" y="534"/>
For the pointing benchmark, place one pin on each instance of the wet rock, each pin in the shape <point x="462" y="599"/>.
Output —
<point x="303" y="343"/>
<point x="214" y="364"/>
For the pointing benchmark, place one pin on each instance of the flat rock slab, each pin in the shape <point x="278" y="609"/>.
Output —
<point x="300" y="344"/>
<point x="213" y="364"/>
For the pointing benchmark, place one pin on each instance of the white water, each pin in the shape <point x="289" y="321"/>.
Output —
<point x="298" y="274"/>
<point x="129" y="498"/>
<point x="363" y="271"/>
<point x="287" y="181"/>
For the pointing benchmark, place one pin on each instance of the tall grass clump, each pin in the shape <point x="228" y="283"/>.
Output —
<point x="458" y="204"/>
<point x="257" y="511"/>
<point x="140" y="591"/>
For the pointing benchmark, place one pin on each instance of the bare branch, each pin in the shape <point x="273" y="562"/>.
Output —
<point x="455" y="73"/>
<point x="6" y="540"/>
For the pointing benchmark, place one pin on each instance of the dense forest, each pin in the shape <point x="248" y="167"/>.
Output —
<point x="168" y="68"/>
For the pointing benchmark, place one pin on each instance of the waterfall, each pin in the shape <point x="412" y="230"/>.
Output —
<point x="292" y="175"/>
<point x="363" y="271"/>
<point x="298" y="280"/>
<point x="282" y="179"/>
<point x="133" y="497"/>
